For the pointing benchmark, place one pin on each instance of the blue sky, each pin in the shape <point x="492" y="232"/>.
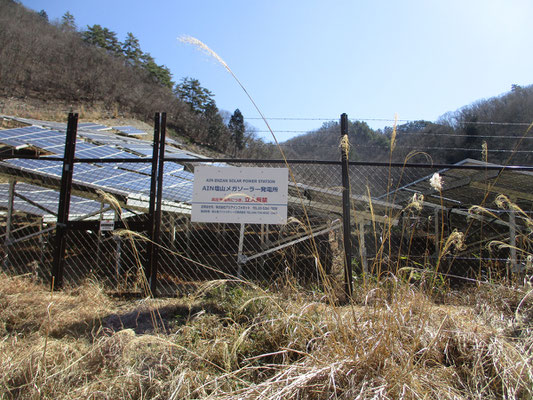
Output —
<point x="318" y="59"/>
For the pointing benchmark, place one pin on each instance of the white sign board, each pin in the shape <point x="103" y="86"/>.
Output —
<point x="240" y="195"/>
<point x="107" y="225"/>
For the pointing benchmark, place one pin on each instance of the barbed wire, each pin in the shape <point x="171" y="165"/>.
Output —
<point x="496" y="123"/>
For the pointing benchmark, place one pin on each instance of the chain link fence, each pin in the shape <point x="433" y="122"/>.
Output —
<point x="409" y="220"/>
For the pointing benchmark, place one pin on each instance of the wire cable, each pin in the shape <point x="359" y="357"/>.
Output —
<point x="403" y="147"/>
<point x="495" y="123"/>
<point x="424" y="133"/>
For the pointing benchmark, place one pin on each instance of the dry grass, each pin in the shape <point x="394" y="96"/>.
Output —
<point x="238" y="342"/>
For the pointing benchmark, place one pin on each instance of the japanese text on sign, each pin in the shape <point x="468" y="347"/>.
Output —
<point x="240" y="195"/>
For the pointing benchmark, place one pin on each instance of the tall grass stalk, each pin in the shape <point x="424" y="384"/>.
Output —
<point x="203" y="47"/>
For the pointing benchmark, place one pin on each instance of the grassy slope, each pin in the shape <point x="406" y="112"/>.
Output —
<point x="227" y="341"/>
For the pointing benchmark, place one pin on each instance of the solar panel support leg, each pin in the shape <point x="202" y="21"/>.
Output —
<point x="42" y="244"/>
<point x="118" y="253"/>
<point x="512" y="242"/>
<point x="9" y="220"/>
<point x="99" y="241"/>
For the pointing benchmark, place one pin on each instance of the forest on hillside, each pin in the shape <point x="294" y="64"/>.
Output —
<point x="59" y="61"/>
<point x="495" y="130"/>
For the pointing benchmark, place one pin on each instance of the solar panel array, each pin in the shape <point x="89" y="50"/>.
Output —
<point x="132" y="178"/>
<point x="39" y="201"/>
<point x="102" y="134"/>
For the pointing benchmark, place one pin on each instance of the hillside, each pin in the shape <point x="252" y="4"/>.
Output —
<point x="50" y="68"/>
<point x="501" y="122"/>
<point x="323" y="144"/>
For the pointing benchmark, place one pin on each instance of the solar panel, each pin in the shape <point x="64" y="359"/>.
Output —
<point x="84" y="168"/>
<point x="9" y="137"/>
<point x="142" y="168"/>
<point x="14" y="143"/>
<point x="100" y="152"/>
<point x="40" y="133"/>
<point x="143" y="150"/>
<point x="91" y="126"/>
<point x="39" y="123"/>
<point x="23" y="137"/>
<point x="91" y="173"/>
<point x="82" y="146"/>
<point x="112" y="139"/>
<point x="102" y="139"/>
<point x="138" y="146"/>
<point x="54" y="145"/>
<point x="25" y="130"/>
<point x="182" y="154"/>
<point x="184" y="175"/>
<point x="92" y="135"/>
<point x="50" y="167"/>
<point x="172" y="167"/>
<point x="129" y="130"/>
<point x="141" y="184"/>
<point x="117" y="178"/>
<point x="181" y="192"/>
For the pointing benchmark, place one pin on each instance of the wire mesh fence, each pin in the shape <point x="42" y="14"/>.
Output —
<point x="261" y="252"/>
<point x="464" y="222"/>
<point x="399" y="224"/>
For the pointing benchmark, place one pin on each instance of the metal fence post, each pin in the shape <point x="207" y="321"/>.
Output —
<point x="159" y="196"/>
<point x="64" y="202"/>
<point x="347" y="233"/>
<point x="153" y="191"/>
